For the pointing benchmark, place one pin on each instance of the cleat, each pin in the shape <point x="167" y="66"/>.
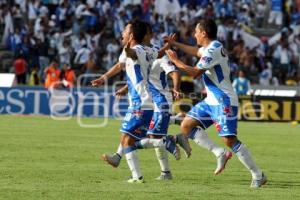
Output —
<point x="221" y="161"/>
<point x="259" y="183"/>
<point x="113" y="160"/>
<point x="139" y="180"/>
<point x="184" y="143"/>
<point x="172" y="147"/>
<point x="164" y="177"/>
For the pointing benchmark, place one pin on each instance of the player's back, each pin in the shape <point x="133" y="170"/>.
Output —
<point x="158" y="82"/>
<point x="217" y="75"/>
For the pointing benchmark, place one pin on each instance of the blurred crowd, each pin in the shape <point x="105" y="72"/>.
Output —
<point x="59" y="40"/>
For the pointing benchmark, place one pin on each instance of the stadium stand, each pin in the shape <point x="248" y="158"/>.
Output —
<point x="262" y="37"/>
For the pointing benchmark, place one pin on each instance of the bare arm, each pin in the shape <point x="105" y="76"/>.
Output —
<point x="191" y="71"/>
<point x="176" y="80"/>
<point x="112" y="72"/>
<point x="162" y="51"/>
<point x="191" y="50"/>
<point x="176" y="84"/>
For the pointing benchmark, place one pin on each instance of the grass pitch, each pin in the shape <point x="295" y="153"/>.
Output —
<point x="41" y="158"/>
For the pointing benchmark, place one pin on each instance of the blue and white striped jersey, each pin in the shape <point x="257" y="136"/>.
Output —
<point x="158" y="85"/>
<point x="217" y="75"/>
<point x="137" y="74"/>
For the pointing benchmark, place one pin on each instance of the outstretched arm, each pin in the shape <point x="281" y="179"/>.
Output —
<point x="191" y="50"/>
<point x="191" y="71"/>
<point x="112" y="72"/>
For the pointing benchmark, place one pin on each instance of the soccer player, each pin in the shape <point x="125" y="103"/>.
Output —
<point x="140" y="111"/>
<point x="221" y="104"/>
<point x="162" y="99"/>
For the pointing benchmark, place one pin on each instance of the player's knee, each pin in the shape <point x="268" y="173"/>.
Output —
<point x="185" y="128"/>
<point x="155" y="136"/>
<point x="127" y="141"/>
<point x="230" y="140"/>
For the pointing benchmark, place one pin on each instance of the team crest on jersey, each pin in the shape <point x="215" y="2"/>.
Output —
<point x="206" y="59"/>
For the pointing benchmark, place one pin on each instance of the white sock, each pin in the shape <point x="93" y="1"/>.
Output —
<point x="162" y="157"/>
<point x="133" y="163"/>
<point x="120" y="150"/>
<point x="151" y="143"/>
<point x="201" y="138"/>
<point x="245" y="157"/>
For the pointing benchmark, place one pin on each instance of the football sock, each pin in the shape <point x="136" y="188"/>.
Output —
<point x="175" y="120"/>
<point x="133" y="162"/>
<point x="149" y="143"/>
<point x="120" y="150"/>
<point x="201" y="138"/>
<point x="162" y="156"/>
<point x="246" y="159"/>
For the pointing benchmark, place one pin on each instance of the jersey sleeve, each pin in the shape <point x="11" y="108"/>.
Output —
<point x="141" y="55"/>
<point x="208" y="59"/>
<point x="122" y="57"/>
<point x="152" y="54"/>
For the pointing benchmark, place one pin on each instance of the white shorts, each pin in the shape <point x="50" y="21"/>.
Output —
<point x="277" y="16"/>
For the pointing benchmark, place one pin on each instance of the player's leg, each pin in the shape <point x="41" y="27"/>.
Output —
<point x="177" y="119"/>
<point x="133" y="128"/>
<point x="227" y="127"/>
<point x="163" y="160"/>
<point x="244" y="155"/>
<point x="115" y="158"/>
<point x="159" y="127"/>
<point x="130" y="152"/>
<point x="194" y="125"/>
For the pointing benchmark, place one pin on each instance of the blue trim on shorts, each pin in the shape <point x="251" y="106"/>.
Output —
<point x="130" y="134"/>
<point x="191" y="116"/>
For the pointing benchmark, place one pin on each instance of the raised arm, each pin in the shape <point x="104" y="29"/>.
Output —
<point x="112" y="72"/>
<point x="191" y="50"/>
<point x="191" y="71"/>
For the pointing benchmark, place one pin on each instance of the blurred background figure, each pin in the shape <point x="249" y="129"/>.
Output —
<point x="52" y="74"/>
<point x="241" y="84"/>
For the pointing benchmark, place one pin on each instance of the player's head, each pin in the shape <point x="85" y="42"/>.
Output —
<point x="205" y="30"/>
<point x="149" y="34"/>
<point x="136" y="30"/>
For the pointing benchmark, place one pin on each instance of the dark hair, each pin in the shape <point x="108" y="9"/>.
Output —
<point x="139" y="30"/>
<point x="210" y="27"/>
<point x="149" y="27"/>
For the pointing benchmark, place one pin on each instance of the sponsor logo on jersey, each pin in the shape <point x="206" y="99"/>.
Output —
<point x="206" y="59"/>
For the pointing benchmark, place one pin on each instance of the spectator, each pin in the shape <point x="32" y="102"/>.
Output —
<point x="67" y="76"/>
<point x="241" y="85"/>
<point x="82" y="57"/>
<point x="43" y="30"/>
<point x="260" y="13"/>
<point x="276" y="12"/>
<point x="52" y="75"/>
<point x="265" y="76"/>
<point x="34" y="77"/>
<point x="20" y="69"/>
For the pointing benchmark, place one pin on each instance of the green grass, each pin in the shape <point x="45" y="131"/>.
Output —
<point x="41" y="158"/>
